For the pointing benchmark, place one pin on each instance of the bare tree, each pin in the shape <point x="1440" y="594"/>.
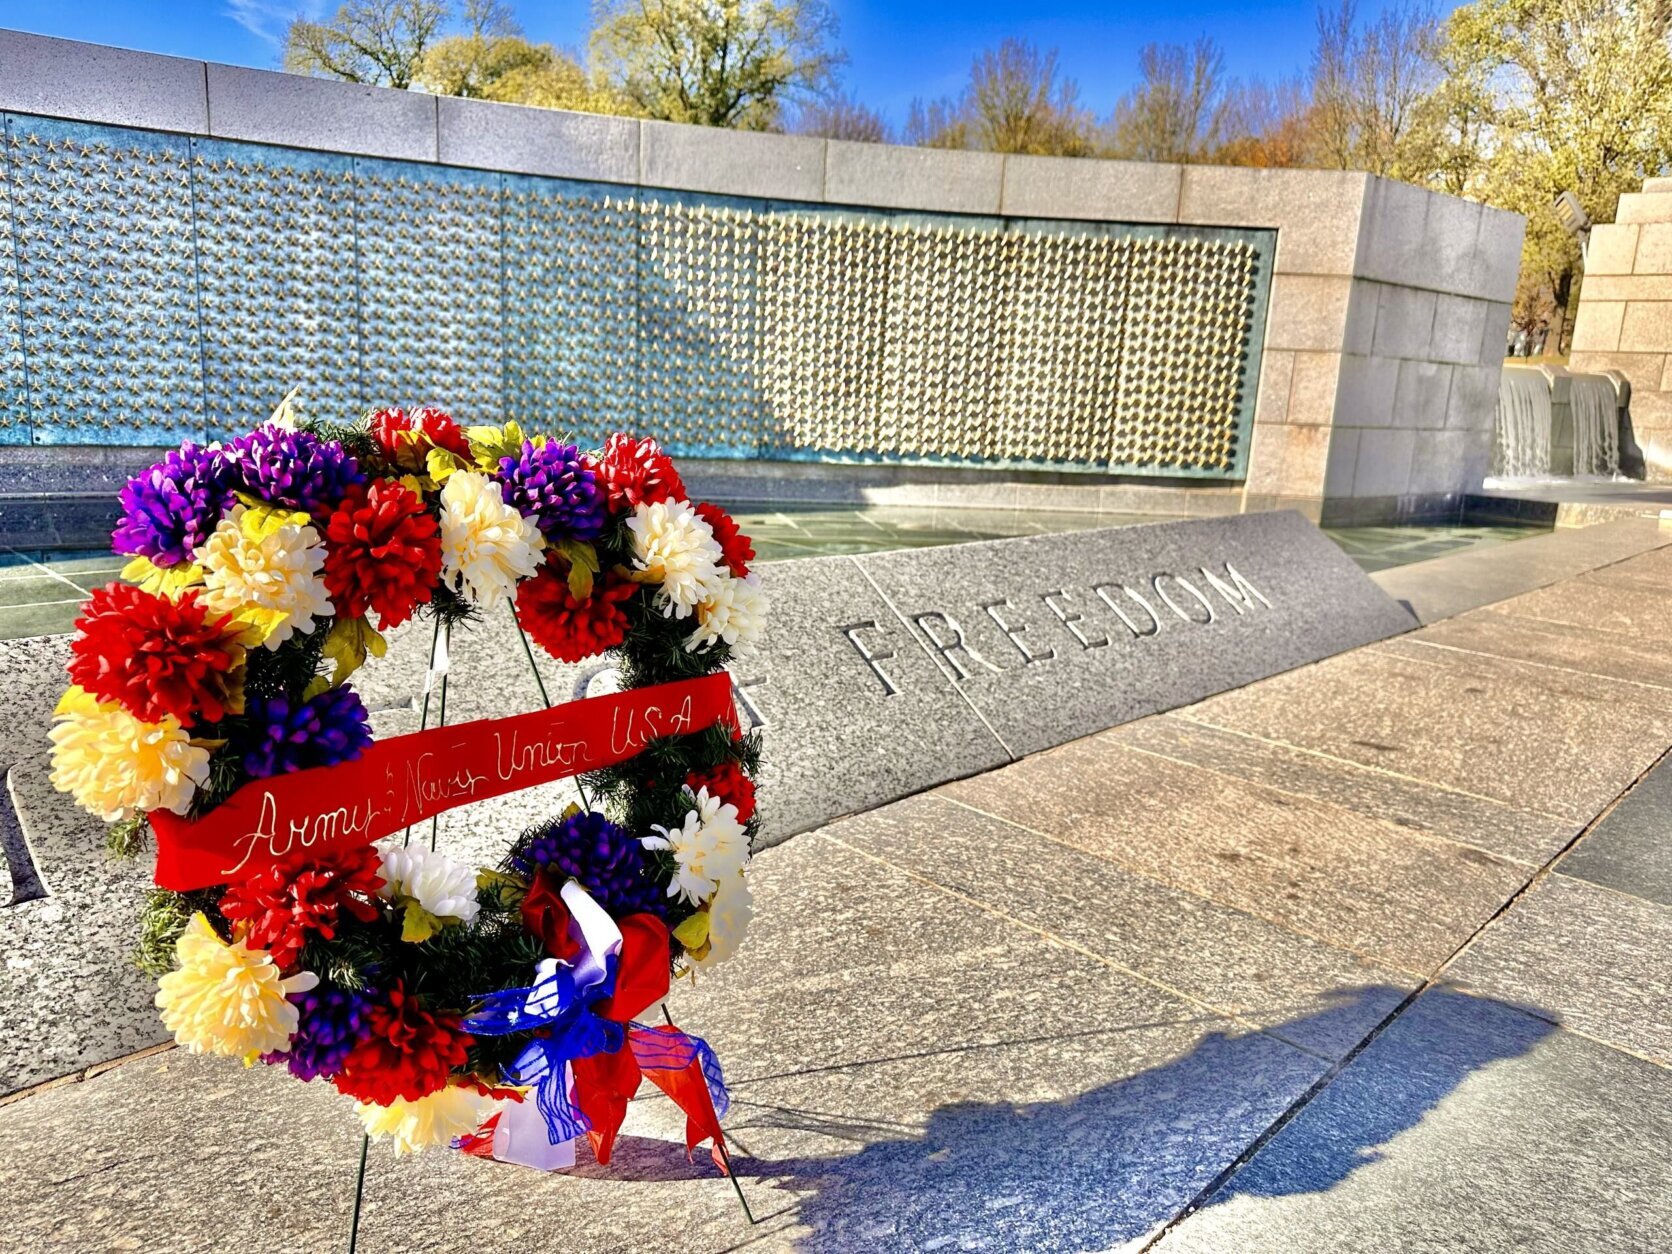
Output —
<point x="1372" y="90"/>
<point x="939" y="123"/>
<point x="368" y="41"/>
<point x="1178" y="111"/>
<point x="715" y="62"/>
<point x="841" y="117"/>
<point x="1266" y="124"/>
<point x="1017" y="103"/>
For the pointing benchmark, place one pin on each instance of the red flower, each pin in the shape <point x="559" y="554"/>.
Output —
<point x="383" y="553"/>
<point x="155" y="656"/>
<point x="302" y="894"/>
<point x="568" y="629"/>
<point x="406" y="1052"/>
<point x="437" y="428"/>
<point x="729" y="783"/>
<point x="546" y="915"/>
<point x="637" y="472"/>
<point x="735" y="548"/>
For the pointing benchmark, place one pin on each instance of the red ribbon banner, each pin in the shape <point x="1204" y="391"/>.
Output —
<point x="406" y="779"/>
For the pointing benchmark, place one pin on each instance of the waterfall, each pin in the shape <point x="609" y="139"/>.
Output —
<point x="1596" y="426"/>
<point x="1521" y="445"/>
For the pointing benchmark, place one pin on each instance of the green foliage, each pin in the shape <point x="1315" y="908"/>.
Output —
<point x="164" y="917"/>
<point x="126" y="838"/>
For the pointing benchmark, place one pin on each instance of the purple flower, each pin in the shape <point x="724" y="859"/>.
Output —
<point x="282" y="736"/>
<point x="329" y="1023"/>
<point x="604" y="857"/>
<point x="556" y="486"/>
<point x="292" y="468"/>
<point x="170" y="509"/>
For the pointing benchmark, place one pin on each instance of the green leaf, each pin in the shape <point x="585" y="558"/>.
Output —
<point x="439" y="463"/>
<point x="417" y="923"/>
<point x="348" y="643"/>
<point x="583" y="566"/>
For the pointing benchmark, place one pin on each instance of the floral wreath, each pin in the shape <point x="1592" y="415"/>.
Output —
<point x="437" y="995"/>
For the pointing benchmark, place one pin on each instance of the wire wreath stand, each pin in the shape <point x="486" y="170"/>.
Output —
<point x="441" y="641"/>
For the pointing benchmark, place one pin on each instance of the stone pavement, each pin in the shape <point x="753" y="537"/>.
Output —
<point x="1369" y="956"/>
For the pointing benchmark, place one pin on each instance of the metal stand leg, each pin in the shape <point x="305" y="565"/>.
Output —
<point x="359" y="1190"/>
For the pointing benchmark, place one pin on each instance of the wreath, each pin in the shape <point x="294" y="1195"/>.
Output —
<point x="439" y="996"/>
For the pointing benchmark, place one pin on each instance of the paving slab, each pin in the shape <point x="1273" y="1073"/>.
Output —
<point x="1586" y="956"/>
<point x="1467" y="1125"/>
<point x="1533" y="737"/>
<point x="1627" y="604"/>
<point x="1419" y="806"/>
<point x="1635" y="659"/>
<point x="1631" y="849"/>
<point x="1347" y="879"/>
<point x="1306" y="992"/>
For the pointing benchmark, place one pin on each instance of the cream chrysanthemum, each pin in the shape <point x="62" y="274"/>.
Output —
<point x="228" y="999"/>
<point x="434" y="1119"/>
<point x="677" y="549"/>
<point x="443" y="887"/>
<point x="115" y="765"/>
<point x="486" y="545"/>
<point x="707" y="847"/>
<point x="733" y="611"/>
<point x="264" y="566"/>
<point x="729" y="915"/>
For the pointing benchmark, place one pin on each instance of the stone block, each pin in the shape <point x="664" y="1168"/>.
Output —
<point x="272" y="108"/>
<point x="64" y="78"/>
<point x="1494" y="334"/>
<point x="1071" y="187"/>
<point x="1423" y="391"/>
<point x="1469" y="1124"/>
<point x="1473" y="400"/>
<point x="1276" y="373"/>
<point x="737" y="163"/>
<point x="1657" y="186"/>
<point x="1628" y="850"/>
<point x="1393" y="245"/>
<point x="1623" y="287"/>
<point x="1612" y="250"/>
<point x="1645" y="327"/>
<point x="1051" y="637"/>
<point x="895" y="177"/>
<point x="1440" y="462"/>
<point x="1343" y="459"/>
<point x="1454" y="260"/>
<point x="1313" y="387"/>
<point x="1654" y="249"/>
<point x="1643" y="210"/>
<point x="1498" y="259"/>
<point x="1365" y="396"/>
<point x="1288" y="460"/>
<point x="551" y="142"/>
<point x="1597" y="326"/>
<point x="1404" y="322"/>
<point x="1459" y="328"/>
<point x="1360" y="336"/>
<point x="1308" y="311"/>
<point x="1316" y="212"/>
<point x="1384" y="462"/>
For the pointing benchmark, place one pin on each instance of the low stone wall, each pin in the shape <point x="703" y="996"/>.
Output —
<point x="1377" y="357"/>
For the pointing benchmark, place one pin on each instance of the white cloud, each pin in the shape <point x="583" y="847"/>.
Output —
<point x="268" y="20"/>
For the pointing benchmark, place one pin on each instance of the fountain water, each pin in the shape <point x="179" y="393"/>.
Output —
<point x="1596" y="425"/>
<point x="1521" y="444"/>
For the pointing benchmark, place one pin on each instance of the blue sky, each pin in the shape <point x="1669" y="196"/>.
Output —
<point x="897" y="48"/>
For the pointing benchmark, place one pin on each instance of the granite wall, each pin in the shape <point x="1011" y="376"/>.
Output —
<point x="1624" y="321"/>
<point x="1377" y="358"/>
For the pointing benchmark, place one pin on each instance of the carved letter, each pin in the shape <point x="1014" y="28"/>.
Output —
<point x="949" y="649"/>
<point x="1240" y="597"/>
<point x="1102" y="590"/>
<point x="1016" y="633"/>
<point x="1184" y="615"/>
<point x="1068" y="617"/>
<point x="851" y="631"/>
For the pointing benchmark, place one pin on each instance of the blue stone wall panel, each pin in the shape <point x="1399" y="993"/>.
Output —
<point x="279" y="283"/>
<point x="14" y="393"/>
<point x="431" y="288"/>
<point x="106" y="261"/>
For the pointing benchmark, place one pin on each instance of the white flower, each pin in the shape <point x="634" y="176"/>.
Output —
<point x="733" y="611"/>
<point x="707" y="847"/>
<point x="678" y="550"/>
<point x="486" y="546"/>
<point x="434" y="1119"/>
<point x="445" y="888"/>
<point x="729" y="915"/>
<point x="264" y="567"/>
<point x="114" y="765"/>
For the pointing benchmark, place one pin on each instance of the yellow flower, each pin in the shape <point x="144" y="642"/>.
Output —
<point x="228" y="999"/>
<point x="114" y="765"/>
<point x="486" y="545"/>
<point x="434" y="1119"/>
<point x="263" y="565"/>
